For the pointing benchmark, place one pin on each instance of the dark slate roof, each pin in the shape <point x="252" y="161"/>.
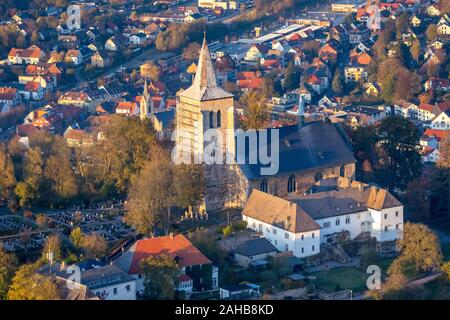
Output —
<point x="314" y="145"/>
<point x="165" y="117"/>
<point x="254" y="247"/>
<point x="105" y="276"/>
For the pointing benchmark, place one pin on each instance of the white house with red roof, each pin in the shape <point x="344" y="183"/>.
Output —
<point x="197" y="272"/>
<point x="442" y="121"/>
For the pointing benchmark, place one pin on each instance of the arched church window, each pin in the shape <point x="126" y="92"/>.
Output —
<point x="292" y="184"/>
<point x="263" y="185"/>
<point x="219" y="119"/>
<point x="342" y="172"/>
<point x="211" y="119"/>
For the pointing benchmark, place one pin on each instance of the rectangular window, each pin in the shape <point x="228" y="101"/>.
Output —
<point x="385" y="229"/>
<point x="347" y="220"/>
<point x="396" y="227"/>
<point x="313" y="248"/>
<point x="303" y="250"/>
<point x="313" y="234"/>
<point x="303" y="237"/>
<point x="338" y="222"/>
<point x="396" y="213"/>
<point x="286" y="235"/>
<point x="326" y="225"/>
<point x="115" y="291"/>
<point x="385" y="216"/>
<point x="128" y="288"/>
<point x="286" y="247"/>
<point x="274" y="231"/>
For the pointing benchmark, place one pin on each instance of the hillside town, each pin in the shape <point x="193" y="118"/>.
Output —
<point x="224" y="150"/>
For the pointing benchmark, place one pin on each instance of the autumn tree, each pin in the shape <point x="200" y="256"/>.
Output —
<point x="150" y="197"/>
<point x="52" y="248"/>
<point x="7" y="177"/>
<point x="160" y="276"/>
<point x="189" y="185"/>
<point x="151" y="70"/>
<point x="94" y="246"/>
<point x="431" y="32"/>
<point x="338" y="83"/>
<point x="191" y="52"/>
<point x="420" y="246"/>
<point x="76" y="237"/>
<point x="127" y="142"/>
<point x="27" y="284"/>
<point x="256" y="112"/>
<point x="8" y="265"/>
<point x="415" y="50"/>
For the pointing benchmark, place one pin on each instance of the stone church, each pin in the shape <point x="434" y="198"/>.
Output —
<point x="308" y="151"/>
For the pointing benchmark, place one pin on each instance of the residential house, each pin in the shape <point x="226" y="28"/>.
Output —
<point x="115" y="43"/>
<point x="76" y="98"/>
<point x="197" y="272"/>
<point x="100" y="59"/>
<point x="406" y="109"/>
<point x="74" y="56"/>
<point x="442" y="121"/>
<point x="254" y="251"/>
<point x="32" y="55"/>
<point x="304" y="223"/>
<point x="127" y="108"/>
<point x="426" y="112"/>
<point x="138" y="39"/>
<point x="9" y="98"/>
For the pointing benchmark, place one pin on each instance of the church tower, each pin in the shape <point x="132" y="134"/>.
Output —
<point x="146" y="104"/>
<point x="201" y="109"/>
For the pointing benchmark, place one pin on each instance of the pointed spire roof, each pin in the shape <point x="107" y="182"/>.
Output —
<point x="204" y="86"/>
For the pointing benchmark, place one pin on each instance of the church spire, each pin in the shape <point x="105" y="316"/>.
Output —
<point x="204" y="76"/>
<point x="146" y="103"/>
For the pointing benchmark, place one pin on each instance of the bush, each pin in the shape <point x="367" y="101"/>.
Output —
<point x="241" y="225"/>
<point x="227" y="231"/>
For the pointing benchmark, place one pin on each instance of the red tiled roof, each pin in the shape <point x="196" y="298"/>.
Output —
<point x="439" y="134"/>
<point x="251" y="83"/>
<point x="32" y="52"/>
<point x="7" y="93"/>
<point x="426" y="107"/>
<point x="244" y="75"/>
<point x="178" y="246"/>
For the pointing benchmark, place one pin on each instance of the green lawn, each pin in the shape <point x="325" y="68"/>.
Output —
<point x="345" y="278"/>
<point x="409" y="269"/>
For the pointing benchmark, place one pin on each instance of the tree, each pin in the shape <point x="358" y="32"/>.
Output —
<point x="151" y="70"/>
<point x="94" y="246"/>
<point x="192" y="51"/>
<point x="29" y="285"/>
<point x="127" y="144"/>
<point x="415" y="50"/>
<point x="76" y="237"/>
<point x="431" y="32"/>
<point x="256" y="112"/>
<point x="150" y="197"/>
<point x="52" y="246"/>
<point x="59" y="172"/>
<point x="160" y="276"/>
<point x="292" y="77"/>
<point x="399" y="139"/>
<point x="338" y="83"/>
<point x="189" y="185"/>
<point x="8" y="265"/>
<point x="7" y="177"/>
<point x="418" y="202"/>
<point x="421" y="246"/>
